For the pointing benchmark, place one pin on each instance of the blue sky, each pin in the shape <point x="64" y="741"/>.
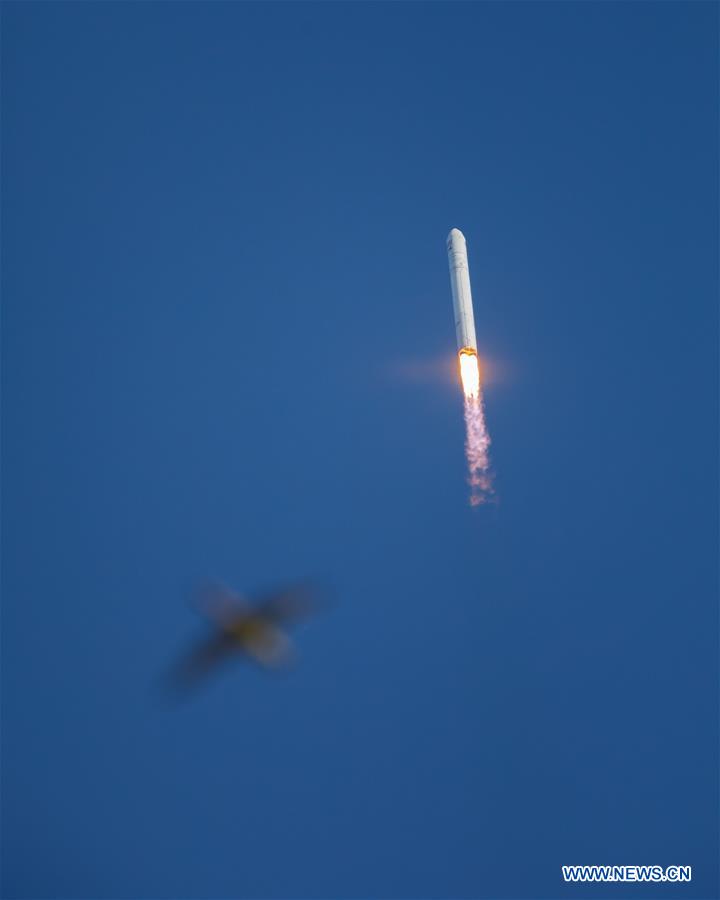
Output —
<point x="227" y="333"/>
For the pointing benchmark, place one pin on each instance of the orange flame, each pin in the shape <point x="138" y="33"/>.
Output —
<point x="469" y="372"/>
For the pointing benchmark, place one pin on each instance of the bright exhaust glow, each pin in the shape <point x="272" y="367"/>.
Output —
<point x="469" y="372"/>
<point x="477" y="439"/>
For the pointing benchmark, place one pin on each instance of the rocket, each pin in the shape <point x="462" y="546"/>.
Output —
<point x="461" y="295"/>
<point x="464" y="320"/>
<point x="477" y="439"/>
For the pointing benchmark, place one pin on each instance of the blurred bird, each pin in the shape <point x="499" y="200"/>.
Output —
<point x="243" y="628"/>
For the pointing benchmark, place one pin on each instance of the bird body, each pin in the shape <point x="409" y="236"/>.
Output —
<point x="241" y="628"/>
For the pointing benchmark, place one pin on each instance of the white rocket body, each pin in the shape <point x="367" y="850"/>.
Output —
<point x="462" y="297"/>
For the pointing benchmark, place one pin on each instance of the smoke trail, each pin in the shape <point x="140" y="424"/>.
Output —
<point x="477" y="445"/>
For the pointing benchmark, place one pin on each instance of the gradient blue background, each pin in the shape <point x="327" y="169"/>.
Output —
<point x="227" y="352"/>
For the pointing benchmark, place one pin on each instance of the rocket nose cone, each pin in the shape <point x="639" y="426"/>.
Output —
<point x="455" y="235"/>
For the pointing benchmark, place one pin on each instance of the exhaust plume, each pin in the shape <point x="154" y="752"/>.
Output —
<point x="477" y="438"/>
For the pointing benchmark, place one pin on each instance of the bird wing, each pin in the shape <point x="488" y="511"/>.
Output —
<point x="201" y="660"/>
<point x="267" y="645"/>
<point x="220" y="605"/>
